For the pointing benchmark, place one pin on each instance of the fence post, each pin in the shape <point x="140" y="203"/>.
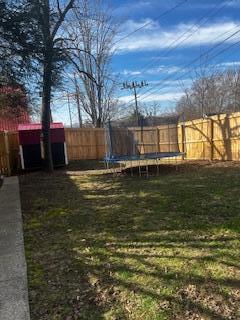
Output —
<point x="158" y="141"/>
<point x="211" y="139"/>
<point x="7" y="153"/>
<point x="183" y="140"/>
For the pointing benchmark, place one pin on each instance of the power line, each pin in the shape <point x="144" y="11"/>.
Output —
<point x="196" y="59"/>
<point x="179" y="78"/>
<point x="170" y="48"/>
<point x="144" y="26"/>
<point x="149" y="23"/>
<point x="133" y="87"/>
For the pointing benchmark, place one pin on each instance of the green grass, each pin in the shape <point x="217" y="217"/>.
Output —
<point x="103" y="247"/>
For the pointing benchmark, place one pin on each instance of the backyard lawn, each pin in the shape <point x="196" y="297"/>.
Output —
<point x="104" y="247"/>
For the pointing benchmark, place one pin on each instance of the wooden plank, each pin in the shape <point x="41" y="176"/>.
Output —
<point x="7" y="153"/>
<point x="5" y="167"/>
<point x="85" y="143"/>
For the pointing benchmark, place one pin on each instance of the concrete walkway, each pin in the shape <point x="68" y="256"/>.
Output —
<point x="13" y="271"/>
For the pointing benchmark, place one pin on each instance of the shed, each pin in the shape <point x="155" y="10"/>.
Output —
<point x="31" y="146"/>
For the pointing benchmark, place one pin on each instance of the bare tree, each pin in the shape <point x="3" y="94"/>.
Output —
<point x="213" y="93"/>
<point x="92" y="32"/>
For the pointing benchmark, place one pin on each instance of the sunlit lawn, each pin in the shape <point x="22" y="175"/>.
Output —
<point x="103" y="247"/>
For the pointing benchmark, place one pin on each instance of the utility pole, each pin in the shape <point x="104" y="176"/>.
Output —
<point x="133" y="87"/>
<point x="78" y="101"/>
<point x="69" y="109"/>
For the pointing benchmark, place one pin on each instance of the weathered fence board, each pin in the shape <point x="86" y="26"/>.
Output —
<point x="214" y="138"/>
<point x="13" y="141"/>
<point x="5" y="167"/>
<point x="85" y="143"/>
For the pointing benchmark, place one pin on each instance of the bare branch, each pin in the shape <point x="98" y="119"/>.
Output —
<point x="59" y="8"/>
<point x="62" y="16"/>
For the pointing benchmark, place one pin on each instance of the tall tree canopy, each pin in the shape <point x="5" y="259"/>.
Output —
<point x="17" y="38"/>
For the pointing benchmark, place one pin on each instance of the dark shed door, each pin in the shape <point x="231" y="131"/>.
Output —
<point x="58" y="154"/>
<point x="32" y="156"/>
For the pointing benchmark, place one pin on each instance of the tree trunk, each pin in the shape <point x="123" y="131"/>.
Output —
<point x="99" y="102"/>
<point x="99" y="123"/>
<point x="46" y="112"/>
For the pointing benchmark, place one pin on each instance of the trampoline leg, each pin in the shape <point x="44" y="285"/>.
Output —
<point x="112" y="169"/>
<point x="106" y="165"/>
<point x="147" y="170"/>
<point x="131" y="168"/>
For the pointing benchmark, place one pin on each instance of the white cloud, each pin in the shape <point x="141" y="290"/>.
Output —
<point x="154" y="37"/>
<point x="173" y="84"/>
<point x="162" y="69"/>
<point x="132" y="7"/>
<point x="229" y="64"/>
<point x="127" y="72"/>
<point x="232" y="3"/>
<point x="131" y="25"/>
<point x="161" y="97"/>
<point x="167" y="70"/>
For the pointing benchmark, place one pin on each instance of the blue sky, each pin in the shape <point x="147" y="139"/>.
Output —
<point x="163" y="51"/>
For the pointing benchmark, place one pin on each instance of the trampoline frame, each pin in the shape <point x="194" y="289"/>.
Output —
<point x="144" y="156"/>
<point x="111" y="159"/>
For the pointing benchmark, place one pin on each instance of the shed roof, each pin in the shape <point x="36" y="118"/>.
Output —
<point x="38" y="126"/>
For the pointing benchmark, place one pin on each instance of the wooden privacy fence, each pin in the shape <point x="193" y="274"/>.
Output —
<point x="86" y="143"/>
<point x="4" y="154"/>
<point x="214" y="138"/>
<point x="137" y="140"/>
<point x="9" y="147"/>
<point x="162" y="138"/>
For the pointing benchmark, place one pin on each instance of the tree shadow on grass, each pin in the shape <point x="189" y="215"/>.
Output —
<point x="126" y="248"/>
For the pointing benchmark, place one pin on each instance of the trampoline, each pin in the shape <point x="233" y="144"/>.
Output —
<point x="135" y="146"/>
<point x="145" y="156"/>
